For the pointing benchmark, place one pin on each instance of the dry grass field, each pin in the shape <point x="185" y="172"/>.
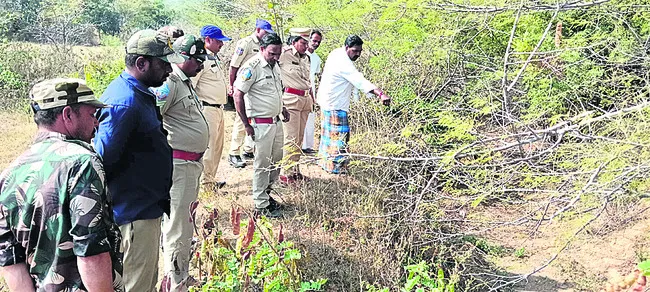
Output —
<point x="335" y="248"/>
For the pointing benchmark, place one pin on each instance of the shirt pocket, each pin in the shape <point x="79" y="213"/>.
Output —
<point x="189" y="105"/>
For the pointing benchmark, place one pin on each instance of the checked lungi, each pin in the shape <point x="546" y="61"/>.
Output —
<point x="334" y="141"/>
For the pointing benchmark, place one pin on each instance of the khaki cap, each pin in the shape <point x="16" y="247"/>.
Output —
<point x="301" y="32"/>
<point x="172" y="32"/>
<point x="149" y="42"/>
<point x="59" y="92"/>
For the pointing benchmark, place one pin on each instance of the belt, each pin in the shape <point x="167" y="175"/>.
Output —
<point x="295" y="91"/>
<point x="184" y="155"/>
<point x="210" y="104"/>
<point x="264" y="120"/>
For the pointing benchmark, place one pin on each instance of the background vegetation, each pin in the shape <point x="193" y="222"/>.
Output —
<point x="512" y="123"/>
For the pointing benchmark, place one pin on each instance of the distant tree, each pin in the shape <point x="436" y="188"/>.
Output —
<point x="142" y="14"/>
<point x="103" y="14"/>
<point x="17" y="17"/>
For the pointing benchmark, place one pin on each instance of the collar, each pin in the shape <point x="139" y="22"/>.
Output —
<point x="263" y="62"/>
<point x="294" y="51"/>
<point x="179" y="73"/>
<point x="212" y="54"/>
<point x="135" y="82"/>
<point x="43" y="135"/>
<point x="255" y="39"/>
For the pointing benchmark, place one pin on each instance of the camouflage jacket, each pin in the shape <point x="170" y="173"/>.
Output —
<point x="53" y="209"/>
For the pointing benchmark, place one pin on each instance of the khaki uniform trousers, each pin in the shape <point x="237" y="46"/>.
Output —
<point x="214" y="117"/>
<point x="299" y="108"/>
<point x="141" y="247"/>
<point x="239" y="138"/>
<point x="268" y="151"/>
<point x="177" y="229"/>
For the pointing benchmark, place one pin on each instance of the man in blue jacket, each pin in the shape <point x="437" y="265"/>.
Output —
<point x="137" y="158"/>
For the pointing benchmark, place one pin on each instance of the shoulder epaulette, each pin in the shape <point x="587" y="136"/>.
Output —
<point x="254" y="62"/>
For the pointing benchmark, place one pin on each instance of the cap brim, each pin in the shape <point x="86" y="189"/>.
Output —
<point x="224" y="39"/>
<point x="205" y="57"/>
<point x="96" y="103"/>
<point x="174" y="58"/>
<point x="269" y="30"/>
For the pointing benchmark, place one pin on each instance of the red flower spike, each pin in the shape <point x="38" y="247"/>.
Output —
<point x="280" y="235"/>
<point x="249" y="233"/>
<point x="233" y="221"/>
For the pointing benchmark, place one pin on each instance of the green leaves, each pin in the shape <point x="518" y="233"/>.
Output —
<point x="645" y="268"/>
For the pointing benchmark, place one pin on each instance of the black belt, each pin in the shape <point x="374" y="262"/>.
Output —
<point x="210" y="104"/>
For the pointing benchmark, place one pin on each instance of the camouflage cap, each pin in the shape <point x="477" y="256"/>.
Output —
<point x="192" y="46"/>
<point x="149" y="42"/>
<point x="59" y="92"/>
<point x="300" y="32"/>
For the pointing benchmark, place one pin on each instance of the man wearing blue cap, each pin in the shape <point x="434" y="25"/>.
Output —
<point x="211" y="86"/>
<point x="245" y="49"/>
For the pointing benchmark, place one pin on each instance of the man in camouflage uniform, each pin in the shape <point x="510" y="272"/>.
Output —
<point x="188" y="136"/>
<point x="57" y="231"/>
<point x="246" y="48"/>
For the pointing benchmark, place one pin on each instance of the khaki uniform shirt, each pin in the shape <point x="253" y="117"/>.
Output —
<point x="262" y="86"/>
<point x="211" y="84"/>
<point x="295" y="69"/>
<point x="182" y="113"/>
<point x="246" y="49"/>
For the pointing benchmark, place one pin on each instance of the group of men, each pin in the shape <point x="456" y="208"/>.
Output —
<point x="84" y="214"/>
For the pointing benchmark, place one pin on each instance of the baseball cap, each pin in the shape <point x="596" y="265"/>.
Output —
<point x="148" y="42"/>
<point x="301" y="32"/>
<point x="191" y="46"/>
<point x="59" y="92"/>
<point x="172" y="32"/>
<point x="263" y="24"/>
<point x="214" y="32"/>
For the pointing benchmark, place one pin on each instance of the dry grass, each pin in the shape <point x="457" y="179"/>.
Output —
<point x="326" y="220"/>
<point x="16" y="133"/>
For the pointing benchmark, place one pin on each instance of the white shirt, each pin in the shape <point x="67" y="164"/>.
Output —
<point x="314" y="69"/>
<point x="339" y="78"/>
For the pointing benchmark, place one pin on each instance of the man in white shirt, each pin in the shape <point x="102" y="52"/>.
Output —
<point x="315" y="69"/>
<point x="339" y="78"/>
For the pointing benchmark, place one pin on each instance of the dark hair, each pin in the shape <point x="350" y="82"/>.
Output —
<point x="294" y="39"/>
<point x="130" y="60"/>
<point x="353" y="40"/>
<point x="270" y="38"/>
<point x="290" y="39"/>
<point x="315" y="31"/>
<point x="47" y="117"/>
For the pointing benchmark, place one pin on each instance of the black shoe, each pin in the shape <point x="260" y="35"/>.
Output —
<point x="270" y="211"/>
<point x="274" y="204"/>
<point x="248" y="155"/>
<point x="236" y="161"/>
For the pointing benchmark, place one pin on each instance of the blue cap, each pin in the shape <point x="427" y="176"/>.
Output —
<point x="263" y="24"/>
<point x="214" y="32"/>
